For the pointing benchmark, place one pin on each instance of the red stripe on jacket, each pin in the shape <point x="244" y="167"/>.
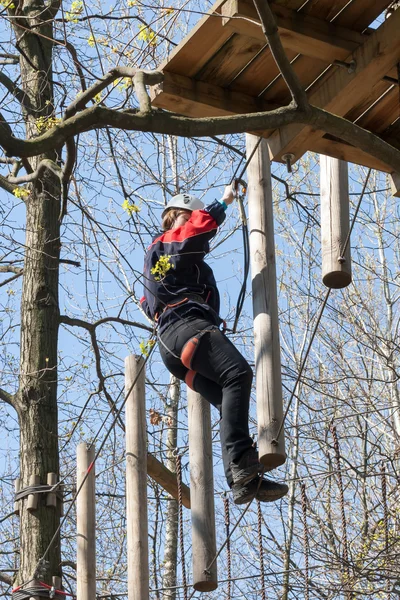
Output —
<point x="200" y="222"/>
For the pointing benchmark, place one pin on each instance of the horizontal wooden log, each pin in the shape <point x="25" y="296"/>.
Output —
<point x="302" y="33"/>
<point x="167" y="479"/>
<point x="339" y="90"/>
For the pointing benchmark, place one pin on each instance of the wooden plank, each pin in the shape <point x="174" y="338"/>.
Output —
<point x="193" y="98"/>
<point x="292" y="4"/>
<point x="337" y="149"/>
<point x="383" y="113"/>
<point x="261" y="72"/>
<point x="380" y="88"/>
<point x="324" y="10"/>
<point x="206" y="37"/>
<point x="392" y="134"/>
<point x="302" y="34"/>
<point x="307" y="70"/>
<point x="339" y="90"/>
<point x="358" y="15"/>
<point x="234" y="55"/>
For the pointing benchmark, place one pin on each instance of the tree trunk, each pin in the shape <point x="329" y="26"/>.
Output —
<point x="172" y="520"/>
<point x="37" y="395"/>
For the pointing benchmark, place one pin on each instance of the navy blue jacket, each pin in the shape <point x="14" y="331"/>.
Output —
<point x="186" y="247"/>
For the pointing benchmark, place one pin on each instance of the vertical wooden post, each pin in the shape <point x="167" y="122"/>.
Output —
<point x="265" y="306"/>
<point x="202" y="494"/>
<point x="336" y="265"/>
<point x="86" y="524"/>
<point x="136" y="480"/>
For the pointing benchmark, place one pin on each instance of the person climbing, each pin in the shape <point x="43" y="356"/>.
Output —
<point x="181" y="296"/>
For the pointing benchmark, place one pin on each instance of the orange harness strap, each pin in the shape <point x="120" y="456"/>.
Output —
<point x="188" y="352"/>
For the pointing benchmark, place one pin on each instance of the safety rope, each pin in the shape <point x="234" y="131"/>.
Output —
<point x="228" y="546"/>
<point x="261" y="550"/>
<point x="236" y="180"/>
<point x="336" y="448"/>
<point x="38" y="589"/>
<point x="306" y="542"/>
<point x="385" y="521"/>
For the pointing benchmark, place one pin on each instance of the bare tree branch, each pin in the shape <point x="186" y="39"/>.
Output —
<point x="7" y="579"/>
<point x="149" y="77"/>
<point x="18" y="94"/>
<point x="44" y="164"/>
<point x="11" y="269"/>
<point x="92" y="326"/>
<point x="8" y="398"/>
<point x="169" y="123"/>
<point x="270" y="30"/>
<point x="6" y="185"/>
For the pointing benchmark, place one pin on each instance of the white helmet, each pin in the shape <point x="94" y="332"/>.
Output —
<point x="185" y="201"/>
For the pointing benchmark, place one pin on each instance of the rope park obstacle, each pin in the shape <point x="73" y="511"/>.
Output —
<point x="271" y="438"/>
<point x="336" y="273"/>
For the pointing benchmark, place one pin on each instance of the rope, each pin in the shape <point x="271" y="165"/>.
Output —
<point x="324" y="303"/>
<point x="385" y="521"/>
<point x="306" y="542"/>
<point x="346" y="574"/>
<point x="39" y="489"/>
<point x="261" y="550"/>
<point x="228" y="546"/>
<point x="245" y="234"/>
<point x="39" y="589"/>
<point x="181" y="540"/>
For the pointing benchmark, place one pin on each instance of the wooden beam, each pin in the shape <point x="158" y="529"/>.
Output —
<point x="204" y="545"/>
<point x="271" y="439"/>
<point x="338" y="149"/>
<point x="335" y="222"/>
<point x="167" y="479"/>
<point x="137" y="545"/>
<point x="193" y="98"/>
<point x="340" y="90"/>
<point x="85" y="523"/>
<point x="301" y="33"/>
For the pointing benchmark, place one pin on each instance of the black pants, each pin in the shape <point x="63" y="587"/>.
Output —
<point x="223" y="378"/>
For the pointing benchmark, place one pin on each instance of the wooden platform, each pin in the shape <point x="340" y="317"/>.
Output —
<point x="224" y="66"/>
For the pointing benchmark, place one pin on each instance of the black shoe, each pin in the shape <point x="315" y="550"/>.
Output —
<point x="266" y="491"/>
<point x="246" y="468"/>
